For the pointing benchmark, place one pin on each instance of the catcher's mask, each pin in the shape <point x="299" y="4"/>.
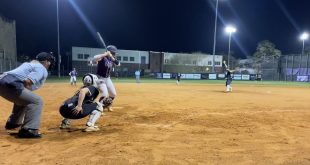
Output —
<point x="90" y="79"/>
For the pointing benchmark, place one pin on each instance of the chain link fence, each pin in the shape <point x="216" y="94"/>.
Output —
<point x="7" y="64"/>
<point x="286" y="68"/>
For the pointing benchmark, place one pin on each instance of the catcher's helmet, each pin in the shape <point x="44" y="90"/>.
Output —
<point x="90" y="79"/>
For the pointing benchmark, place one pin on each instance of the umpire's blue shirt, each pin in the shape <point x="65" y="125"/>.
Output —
<point x="33" y="71"/>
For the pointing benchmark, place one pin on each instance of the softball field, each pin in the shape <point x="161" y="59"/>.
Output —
<point x="165" y="123"/>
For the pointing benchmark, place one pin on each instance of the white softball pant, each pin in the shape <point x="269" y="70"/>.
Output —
<point x="73" y="79"/>
<point x="106" y="87"/>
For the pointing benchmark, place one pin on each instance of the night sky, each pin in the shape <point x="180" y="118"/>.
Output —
<point x="158" y="25"/>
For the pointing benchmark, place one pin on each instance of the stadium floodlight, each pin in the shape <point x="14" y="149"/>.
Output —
<point x="229" y="30"/>
<point x="58" y="43"/>
<point x="214" y="37"/>
<point x="304" y="36"/>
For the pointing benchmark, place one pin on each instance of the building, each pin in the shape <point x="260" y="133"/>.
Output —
<point x="131" y="60"/>
<point x="8" y="52"/>
<point x="147" y="62"/>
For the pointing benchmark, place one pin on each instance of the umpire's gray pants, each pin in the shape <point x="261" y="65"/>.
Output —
<point x="27" y="107"/>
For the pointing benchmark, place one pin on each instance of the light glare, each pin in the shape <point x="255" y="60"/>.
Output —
<point x="230" y="29"/>
<point x="304" y="36"/>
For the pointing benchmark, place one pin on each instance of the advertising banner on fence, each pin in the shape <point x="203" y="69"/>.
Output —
<point x="159" y="75"/>
<point x="167" y="75"/>
<point x="188" y="76"/>
<point x="302" y="78"/>
<point x="245" y="77"/>
<point x="237" y="76"/>
<point x="221" y="76"/>
<point x="197" y="76"/>
<point x="212" y="76"/>
<point x="193" y="76"/>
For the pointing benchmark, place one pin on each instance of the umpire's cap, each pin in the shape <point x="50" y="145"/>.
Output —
<point x="46" y="56"/>
<point x="112" y="49"/>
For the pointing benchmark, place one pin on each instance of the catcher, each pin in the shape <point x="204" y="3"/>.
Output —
<point x="83" y="104"/>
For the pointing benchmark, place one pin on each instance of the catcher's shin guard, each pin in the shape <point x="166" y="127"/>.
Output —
<point x="93" y="117"/>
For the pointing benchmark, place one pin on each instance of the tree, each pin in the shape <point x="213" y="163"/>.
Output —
<point x="307" y="50"/>
<point x="266" y="51"/>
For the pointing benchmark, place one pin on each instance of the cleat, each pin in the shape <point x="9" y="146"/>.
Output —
<point x="65" y="124"/>
<point x="29" y="133"/>
<point x="91" y="129"/>
<point x="11" y="126"/>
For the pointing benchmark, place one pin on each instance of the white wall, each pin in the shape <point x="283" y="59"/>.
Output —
<point x="135" y="54"/>
<point x="121" y="53"/>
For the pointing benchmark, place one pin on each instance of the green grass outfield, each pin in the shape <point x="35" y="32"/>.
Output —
<point x="53" y="79"/>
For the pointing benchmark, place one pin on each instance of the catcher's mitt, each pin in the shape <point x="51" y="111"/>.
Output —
<point x="105" y="101"/>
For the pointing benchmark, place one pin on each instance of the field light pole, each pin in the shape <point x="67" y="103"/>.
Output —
<point x="58" y="44"/>
<point x="304" y="36"/>
<point x="229" y="30"/>
<point x="139" y="60"/>
<point x="214" y="39"/>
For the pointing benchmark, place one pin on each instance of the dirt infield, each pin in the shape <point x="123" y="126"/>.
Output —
<point x="170" y="124"/>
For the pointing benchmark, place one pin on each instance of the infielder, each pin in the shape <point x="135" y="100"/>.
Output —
<point x="73" y="75"/>
<point x="106" y="61"/>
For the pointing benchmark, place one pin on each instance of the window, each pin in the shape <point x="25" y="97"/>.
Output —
<point x="86" y="56"/>
<point x="125" y="58"/>
<point x="166" y="61"/>
<point x="209" y="62"/>
<point x="119" y="58"/>
<point x="217" y="63"/>
<point x="80" y="56"/>
<point x="194" y="62"/>
<point x="132" y="59"/>
<point x="143" y="60"/>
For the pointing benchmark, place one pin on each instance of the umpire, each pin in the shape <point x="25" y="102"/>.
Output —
<point x="17" y="85"/>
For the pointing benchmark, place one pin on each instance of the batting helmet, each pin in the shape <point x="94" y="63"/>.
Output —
<point x="112" y="49"/>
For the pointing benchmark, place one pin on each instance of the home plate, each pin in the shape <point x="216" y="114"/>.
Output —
<point x="117" y="107"/>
